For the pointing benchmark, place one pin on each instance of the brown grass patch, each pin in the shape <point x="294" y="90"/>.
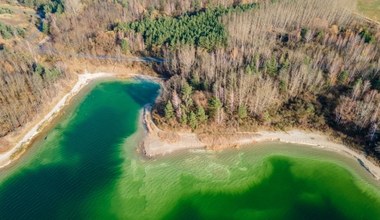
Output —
<point x="370" y="8"/>
<point x="4" y="145"/>
<point x="169" y="137"/>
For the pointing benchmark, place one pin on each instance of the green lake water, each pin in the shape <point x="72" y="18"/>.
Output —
<point x="87" y="167"/>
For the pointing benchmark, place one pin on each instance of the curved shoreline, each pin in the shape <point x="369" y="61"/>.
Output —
<point x="322" y="142"/>
<point x="19" y="149"/>
<point x="158" y="142"/>
<point x="314" y="140"/>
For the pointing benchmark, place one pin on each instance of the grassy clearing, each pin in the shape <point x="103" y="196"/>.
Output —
<point x="19" y="22"/>
<point x="16" y="15"/>
<point x="370" y="8"/>
<point x="5" y="11"/>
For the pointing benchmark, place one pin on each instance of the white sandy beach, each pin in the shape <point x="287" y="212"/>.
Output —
<point x="320" y="141"/>
<point x="155" y="146"/>
<point x="156" y="143"/>
<point x="83" y="79"/>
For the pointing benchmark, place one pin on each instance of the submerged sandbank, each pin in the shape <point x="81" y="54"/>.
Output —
<point x="85" y="168"/>
<point x="28" y="133"/>
<point x="158" y="142"/>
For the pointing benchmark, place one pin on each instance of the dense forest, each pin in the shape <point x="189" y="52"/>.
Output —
<point x="237" y="64"/>
<point x="27" y="81"/>
<point x="24" y="86"/>
<point x="201" y="29"/>
<point x="279" y="68"/>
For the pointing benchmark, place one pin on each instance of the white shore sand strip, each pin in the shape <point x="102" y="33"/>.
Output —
<point x="155" y="146"/>
<point x="322" y="142"/>
<point x="83" y="79"/>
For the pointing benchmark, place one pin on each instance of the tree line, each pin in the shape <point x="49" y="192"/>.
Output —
<point x="199" y="29"/>
<point x="27" y="81"/>
<point x="317" y="68"/>
<point x="274" y="66"/>
<point x="25" y="86"/>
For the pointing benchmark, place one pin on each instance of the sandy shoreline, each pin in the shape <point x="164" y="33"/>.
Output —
<point x="83" y="79"/>
<point x="158" y="142"/>
<point x="319" y="141"/>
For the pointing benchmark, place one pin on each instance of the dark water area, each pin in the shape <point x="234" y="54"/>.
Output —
<point x="284" y="194"/>
<point x="88" y="168"/>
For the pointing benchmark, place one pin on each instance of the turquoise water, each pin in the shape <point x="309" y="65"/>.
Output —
<point x="88" y="168"/>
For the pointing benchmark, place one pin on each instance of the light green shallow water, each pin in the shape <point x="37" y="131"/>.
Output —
<point x="88" y="168"/>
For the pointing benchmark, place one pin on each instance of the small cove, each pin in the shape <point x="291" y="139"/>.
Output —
<point x="88" y="168"/>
